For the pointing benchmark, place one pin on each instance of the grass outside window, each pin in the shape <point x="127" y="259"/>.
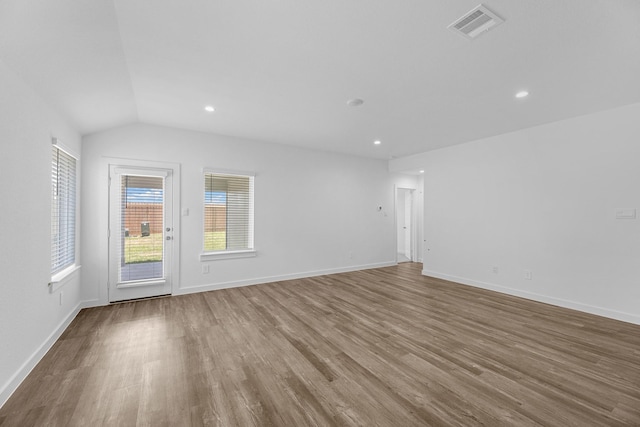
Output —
<point x="149" y="249"/>
<point x="139" y="249"/>
<point x="215" y="241"/>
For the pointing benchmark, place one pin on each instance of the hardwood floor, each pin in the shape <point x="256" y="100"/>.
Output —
<point x="381" y="347"/>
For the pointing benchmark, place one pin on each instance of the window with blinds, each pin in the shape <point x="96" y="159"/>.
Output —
<point x="63" y="210"/>
<point x="141" y="227"/>
<point x="228" y="212"/>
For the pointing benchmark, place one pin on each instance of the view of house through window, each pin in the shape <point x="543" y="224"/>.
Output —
<point x="228" y="212"/>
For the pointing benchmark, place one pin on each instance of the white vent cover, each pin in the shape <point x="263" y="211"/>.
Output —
<point x="475" y="22"/>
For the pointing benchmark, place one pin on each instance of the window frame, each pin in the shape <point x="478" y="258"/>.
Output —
<point x="228" y="253"/>
<point x="59" y="274"/>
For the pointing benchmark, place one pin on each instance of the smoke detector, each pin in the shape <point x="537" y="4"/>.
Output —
<point x="477" y="21"/>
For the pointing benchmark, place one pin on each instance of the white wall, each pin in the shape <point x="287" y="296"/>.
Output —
<point x="31" y="318"/>
<point x="541" y="199"/>
<point x="315" y="212"/>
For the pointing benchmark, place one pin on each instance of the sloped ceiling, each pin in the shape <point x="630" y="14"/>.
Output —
<point x="282" y="70"/>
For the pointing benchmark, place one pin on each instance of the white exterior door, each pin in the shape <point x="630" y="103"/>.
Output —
<point x="140" y="232"/>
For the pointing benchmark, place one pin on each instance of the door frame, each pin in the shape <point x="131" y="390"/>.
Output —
<point x="174" y="169"/>
<point x="413" y="229"/>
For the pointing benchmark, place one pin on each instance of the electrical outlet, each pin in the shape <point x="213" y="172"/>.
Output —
<point x="527" y="275"/>
<point x="350" y="255"/>
<point x="496" y="270"/>
<point x="205" y="268"/>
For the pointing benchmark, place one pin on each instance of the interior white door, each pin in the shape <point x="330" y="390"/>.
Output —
<point x="400" y="219"/>
<point x="404" y="222"/>
<point x="140" y="232"/>
<point x="408" y="209"/>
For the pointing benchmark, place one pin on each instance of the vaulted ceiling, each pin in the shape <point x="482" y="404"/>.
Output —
<point x="283" y="70"/>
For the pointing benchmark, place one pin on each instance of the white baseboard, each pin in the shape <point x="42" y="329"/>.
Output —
<point x="10" y="386"/>
<point x="92" y="303"/>
<point x="271" y="279"/>
<point x="599" y="311"/>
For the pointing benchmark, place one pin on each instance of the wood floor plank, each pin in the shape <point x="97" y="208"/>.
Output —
<point x="381" y="347"/>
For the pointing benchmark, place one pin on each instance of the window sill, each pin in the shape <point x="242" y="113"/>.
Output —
<point x="213" y="256"/>
<point x="60" y="279"/>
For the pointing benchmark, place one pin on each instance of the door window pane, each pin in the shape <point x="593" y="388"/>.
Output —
<point x="142" y="224"/>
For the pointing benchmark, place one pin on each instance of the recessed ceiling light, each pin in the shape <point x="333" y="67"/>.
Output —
<point x="522" y="94"/>
<point x="421" y="171"/>
<point x="355" y="102"/>
<point x="377" y="142"/>
<point x="209" y="109"/>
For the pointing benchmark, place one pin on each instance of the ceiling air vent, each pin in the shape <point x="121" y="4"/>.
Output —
<point x="476" y="22"/>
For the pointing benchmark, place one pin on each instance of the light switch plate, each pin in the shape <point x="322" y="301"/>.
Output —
<point x="625" y="213"/>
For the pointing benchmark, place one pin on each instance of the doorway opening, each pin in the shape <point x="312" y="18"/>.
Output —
<point x="405" y="225"/>
<point x="140" y="232"/>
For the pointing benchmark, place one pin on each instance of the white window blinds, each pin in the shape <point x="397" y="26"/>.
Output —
<point x="141" y="227"/>
<point x="63" y="210"/>
<point x="228" y="212"/>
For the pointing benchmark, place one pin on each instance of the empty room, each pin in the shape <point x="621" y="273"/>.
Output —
<point x="318" y="213"/>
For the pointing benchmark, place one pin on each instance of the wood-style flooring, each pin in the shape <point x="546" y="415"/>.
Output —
<point x="383" y="347"/>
